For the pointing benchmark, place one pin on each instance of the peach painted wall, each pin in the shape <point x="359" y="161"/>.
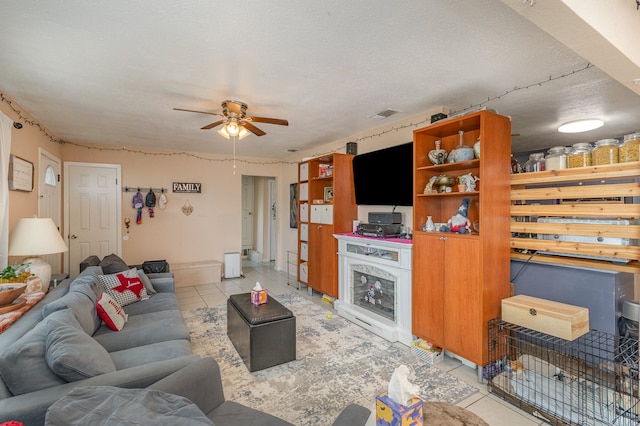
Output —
<point x="213" y="228"/>
<point x="25" y="143"/>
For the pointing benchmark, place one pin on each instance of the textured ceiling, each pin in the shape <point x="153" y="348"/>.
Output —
<point x="112" y="72"/>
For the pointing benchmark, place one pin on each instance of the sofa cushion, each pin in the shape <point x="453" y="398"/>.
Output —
<point x="82" y="306"/>
<point x="113" y="264"/>
<point x="108" y="405"/>
<point x="111" y="312"/>
<point x="88" y="278"/>
<point x="144" y="329"/>
<point x="23" y="365"/>
<point x="92" y="260"/>
<point x="156" y="303"/>
<point x="125" y="287"/>
<point x="147" y="354"/>
<point x="72" y="354"/>
<point x="147" y="282"/>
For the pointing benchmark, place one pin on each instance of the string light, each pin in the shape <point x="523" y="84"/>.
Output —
<point x="426" y="120"/>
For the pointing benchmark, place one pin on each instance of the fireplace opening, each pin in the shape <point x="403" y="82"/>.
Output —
<point x="375" y="291"/>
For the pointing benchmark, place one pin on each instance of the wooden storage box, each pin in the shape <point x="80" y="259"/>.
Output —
<point x="546" y="316"/>
<point x="197" y="273"/>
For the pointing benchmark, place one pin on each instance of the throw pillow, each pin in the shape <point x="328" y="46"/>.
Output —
<point x="125" y="287"/>
<point x="111" y="312"/>
<point x="83" y="306"/>
<point x="104" y="405"/>
<point x="23" y="366"/>
<point x="112" y="264"/>
<point x="74" y="355"/>
<point x="147" y="282"/>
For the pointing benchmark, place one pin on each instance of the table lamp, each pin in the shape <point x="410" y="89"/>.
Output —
<point x="34" y="237"/>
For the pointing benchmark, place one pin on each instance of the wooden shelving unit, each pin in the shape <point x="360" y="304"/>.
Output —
<point x="604" y="192"/>
<point x="459" y="280"/>
<point x="320" y="218"/>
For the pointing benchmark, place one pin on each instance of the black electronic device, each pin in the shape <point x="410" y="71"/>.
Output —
<point x="385" y="217"/>
<point x="379" y="230"/>
<point x="384" y="177"/>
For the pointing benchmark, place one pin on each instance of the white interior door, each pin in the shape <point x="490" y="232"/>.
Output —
<point x="93" y="211"/>
<point x="247" y="212"/>
<point x="49" y="201"/>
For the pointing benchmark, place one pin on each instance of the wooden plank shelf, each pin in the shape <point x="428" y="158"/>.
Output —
<point x="605" y="193"/>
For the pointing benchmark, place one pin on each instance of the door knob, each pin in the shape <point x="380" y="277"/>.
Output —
<point x="73" y="237"/>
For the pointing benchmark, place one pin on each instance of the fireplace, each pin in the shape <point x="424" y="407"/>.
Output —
<point x="375" y="285"/>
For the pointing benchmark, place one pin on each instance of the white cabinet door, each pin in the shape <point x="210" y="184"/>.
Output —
<point x="316" y="213"/>
<point x="304" y="232"/>
<point x="304" y="251"/>
<point x="304" y="191"/>
<point x="304" y="212"/>
<point x="304" y="171"/>
<point x="327" y="214"/>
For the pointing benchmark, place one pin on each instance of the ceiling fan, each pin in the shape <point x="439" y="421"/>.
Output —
<point x="236" y="121"/>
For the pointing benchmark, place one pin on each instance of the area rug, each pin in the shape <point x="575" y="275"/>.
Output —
<point x="337" y="363"/>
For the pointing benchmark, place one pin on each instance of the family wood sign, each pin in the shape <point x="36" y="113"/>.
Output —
<point x="187" y="187"/>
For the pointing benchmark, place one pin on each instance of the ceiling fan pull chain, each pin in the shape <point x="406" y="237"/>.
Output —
<point x="234" y="154"/>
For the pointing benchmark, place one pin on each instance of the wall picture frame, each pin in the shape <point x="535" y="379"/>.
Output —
<point x="20" y="174"/>
<point x="293" y="205"/>
<point x="328" y="194"/>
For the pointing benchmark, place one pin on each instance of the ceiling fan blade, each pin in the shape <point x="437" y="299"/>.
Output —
<point x="253" y="129"/>
<point x="278" y="121"/>
<point x="212" y="125"/>
<point x="199" y="112"/>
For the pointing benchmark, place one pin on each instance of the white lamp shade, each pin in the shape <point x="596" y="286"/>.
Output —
<point x="35" y="237"/>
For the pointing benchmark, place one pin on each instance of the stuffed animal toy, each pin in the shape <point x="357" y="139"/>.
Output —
<point x="460" y="221"/>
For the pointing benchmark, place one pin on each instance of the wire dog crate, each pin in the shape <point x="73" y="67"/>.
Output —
<point x="592" y="380"/>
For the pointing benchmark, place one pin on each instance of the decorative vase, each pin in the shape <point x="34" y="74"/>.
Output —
<point x="476" y="148"/>
<point x="462" y="152"/>
<point x="438" y="155"/>
<point x="429" y="226"/>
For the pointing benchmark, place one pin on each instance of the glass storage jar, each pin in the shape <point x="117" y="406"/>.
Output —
<point x="630" y="148"/>
<point x="535" y="163"/>
<point x="556" y="158"/>
<point x="605" y="152"/>
<point x="580" y="155"/>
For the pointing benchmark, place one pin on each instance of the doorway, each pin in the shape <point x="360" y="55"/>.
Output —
<point x="259" y="213"/>
<point x="49" y="201"/>
<point x="92" y="211"/>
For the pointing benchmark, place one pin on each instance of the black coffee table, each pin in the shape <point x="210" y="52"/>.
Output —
<point x="263" y="335"/>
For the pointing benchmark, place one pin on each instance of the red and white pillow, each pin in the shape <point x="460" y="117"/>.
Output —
<point x="111" y="312"/>
<point x="125" y="287"/>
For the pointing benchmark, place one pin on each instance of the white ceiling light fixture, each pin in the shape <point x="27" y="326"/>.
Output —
<point x="232" y="129"/>
<point x="579" y="126"/>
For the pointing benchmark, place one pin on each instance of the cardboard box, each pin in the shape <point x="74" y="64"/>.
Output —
<point x="546" y="316"/>
<point x="390" y="413"/>
<point x="259" y="297"/>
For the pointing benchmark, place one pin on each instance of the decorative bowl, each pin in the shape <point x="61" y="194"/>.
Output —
<point x="443" y="182"/>
<point x="10" y="292"/>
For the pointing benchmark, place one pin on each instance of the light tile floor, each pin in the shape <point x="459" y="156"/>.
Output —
<point x="495" y="411"/>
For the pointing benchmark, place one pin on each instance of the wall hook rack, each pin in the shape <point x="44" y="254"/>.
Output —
<point x="161" y="190"/>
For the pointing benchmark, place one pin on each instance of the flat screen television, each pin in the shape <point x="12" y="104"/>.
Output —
<point x="384" y="177"/>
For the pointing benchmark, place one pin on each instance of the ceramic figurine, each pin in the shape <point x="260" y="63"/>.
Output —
<point x="469" y="181"/>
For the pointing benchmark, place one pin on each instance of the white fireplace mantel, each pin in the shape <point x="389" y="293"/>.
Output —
<point x="391" y="259"/>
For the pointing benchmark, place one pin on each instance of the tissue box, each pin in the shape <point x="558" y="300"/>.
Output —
<point x="389" y="412"/>
<point x="259" y="297"/>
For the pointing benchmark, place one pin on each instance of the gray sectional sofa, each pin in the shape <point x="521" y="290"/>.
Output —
<point x="61" y="344"/>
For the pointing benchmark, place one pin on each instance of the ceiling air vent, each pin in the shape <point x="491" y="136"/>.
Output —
<point x="383" y="114"/>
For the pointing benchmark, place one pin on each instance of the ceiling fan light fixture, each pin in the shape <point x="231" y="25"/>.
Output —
<point x="232" y="128"/>
<point x="240" y="132"/>
<point x="579" y="126"/>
